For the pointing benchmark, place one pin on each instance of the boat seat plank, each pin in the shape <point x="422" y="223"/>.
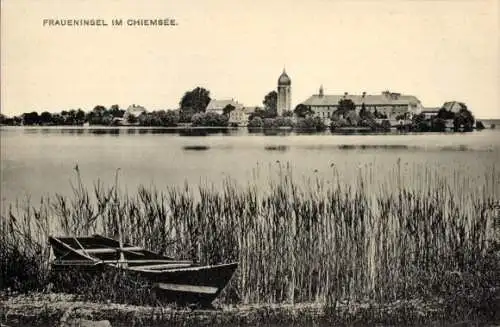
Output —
<point x="109" y="250"/>
<point x="164" y="266"/>
<point x="187" y="288"/>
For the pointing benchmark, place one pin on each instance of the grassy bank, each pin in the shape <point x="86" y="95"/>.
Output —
<point x="49" y="309"/>
<point x="322" y="241"/>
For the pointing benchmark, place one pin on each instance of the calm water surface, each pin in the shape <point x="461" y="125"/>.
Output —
<point x="41" y="161"/>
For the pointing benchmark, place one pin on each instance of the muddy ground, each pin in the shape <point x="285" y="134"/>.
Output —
<point x="48" y="309"/>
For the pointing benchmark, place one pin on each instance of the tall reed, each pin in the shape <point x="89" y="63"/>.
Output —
<point x="319" y="240"/>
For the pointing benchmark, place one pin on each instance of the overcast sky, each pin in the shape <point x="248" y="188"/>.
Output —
<point x="436" y="50"/>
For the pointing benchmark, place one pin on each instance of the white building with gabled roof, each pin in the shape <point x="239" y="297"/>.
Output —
<point x="218" y="106"/>
<point x="388" y="103"/>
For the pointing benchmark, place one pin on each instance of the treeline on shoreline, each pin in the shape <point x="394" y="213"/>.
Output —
<point x="193" y="112"/>
<point x="362" y="122"/>
<point x="442" y="122"/>
<point x="99" y="116"/>
<point x="365" y="121"/>
<point x="320" y="242"/>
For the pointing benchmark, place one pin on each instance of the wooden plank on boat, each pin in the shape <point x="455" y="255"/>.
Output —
<point x="187" y="288"/>
<point x="75" y="263"/>
<point x="66" y="246"/>
<point x="164" y="265"/>
<point x="189" y="263"/>
<point x="109" y="250"/>
<point x="183" y="263"/>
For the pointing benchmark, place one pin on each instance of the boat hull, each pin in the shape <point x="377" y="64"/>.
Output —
<point x="143" y="274"/>
<point x="191" y="285"/>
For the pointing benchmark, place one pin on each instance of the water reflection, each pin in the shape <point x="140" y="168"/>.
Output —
<point x="31" y="131"/>
<point x="108" y="131"/>
<point x="204" y="131"/>
<point x="64" y="131"/>
<point x="276" y="147"/>
<point x="196" y="147"/>
<point x="373" y="146"/>
<point x="308" y="132"/>
<point x="276" y="132"/>
<point x="188" y="131"/>
<point x="443" y="142"/>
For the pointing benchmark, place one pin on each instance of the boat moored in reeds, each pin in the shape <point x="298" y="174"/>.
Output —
<point x="171" y="280"/>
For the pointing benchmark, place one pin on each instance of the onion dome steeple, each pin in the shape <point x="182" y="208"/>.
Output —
<point x="284" y="79"/>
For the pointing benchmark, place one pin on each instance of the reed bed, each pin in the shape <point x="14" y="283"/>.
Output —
<point x="418" y="234"/>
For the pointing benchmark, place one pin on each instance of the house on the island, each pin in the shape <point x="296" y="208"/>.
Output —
<point x="430" y="112"/>
<point x="218" y="106"/>
<point x="452" y="106"/>
<point x="251" y="110"/>
<point x="388" y="103"/>
<point x="130" y="116"/>
<point x="240" y="116"/>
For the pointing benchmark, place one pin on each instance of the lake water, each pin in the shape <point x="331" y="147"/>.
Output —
<point x="41" y="161"/>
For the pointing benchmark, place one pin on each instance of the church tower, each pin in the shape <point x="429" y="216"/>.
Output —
<point x="284" y="94"/>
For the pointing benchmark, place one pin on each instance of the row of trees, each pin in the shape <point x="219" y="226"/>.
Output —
<point x="167" y="118"/>
<point x="192" y="109"/>
<point x="195" y="102"/>
<point x="210" y="119"/>
<point x="192" y="102"/>
<point x="193" y="106"/>
<point x="71" y="117"/>
<point x="346" y="116"/>
<point x="463" y="120"/>
<point x="301" y="124"/>
<point x="100" y="115"/>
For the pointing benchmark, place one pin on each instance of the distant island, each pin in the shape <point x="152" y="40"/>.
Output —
<point x="340" y="113"/>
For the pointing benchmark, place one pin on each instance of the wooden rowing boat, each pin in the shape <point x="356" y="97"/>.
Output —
<point x="172" y="280"/>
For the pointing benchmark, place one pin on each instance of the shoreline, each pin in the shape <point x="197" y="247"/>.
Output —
<point x="47" y="310"/>
<point x="249" y="130"/>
